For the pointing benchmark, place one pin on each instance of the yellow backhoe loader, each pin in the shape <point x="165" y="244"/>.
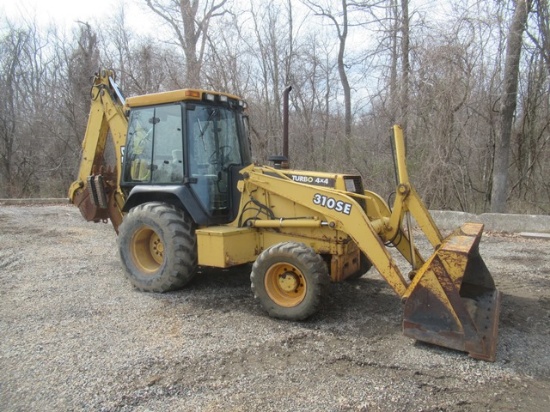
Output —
<point x="184" y="193"/>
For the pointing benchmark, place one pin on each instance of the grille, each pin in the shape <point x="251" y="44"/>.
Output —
<point x="358" y="188"/>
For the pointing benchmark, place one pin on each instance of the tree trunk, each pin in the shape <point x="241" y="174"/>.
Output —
<point x="191" y="35"/>
<point x="508" y="106"/>
<point x="406" y="65"/>
<point x="184" y="14"/>
<point x="394" y="16"/>
<point x="342" y="31"/>
<point x="344" y="80"/>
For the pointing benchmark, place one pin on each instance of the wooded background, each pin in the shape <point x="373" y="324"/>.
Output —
<point x="468" y="80"/>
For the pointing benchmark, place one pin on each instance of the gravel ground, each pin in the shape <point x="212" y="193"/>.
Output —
<point x="75" y="336"/>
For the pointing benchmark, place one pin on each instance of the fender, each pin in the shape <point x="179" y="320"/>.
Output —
<point x="179" y="196"/>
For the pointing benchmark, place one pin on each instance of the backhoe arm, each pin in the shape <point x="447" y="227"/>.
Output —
<point x="97" y="192"/>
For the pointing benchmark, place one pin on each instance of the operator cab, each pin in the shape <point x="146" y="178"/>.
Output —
<point x="189" y="145"/>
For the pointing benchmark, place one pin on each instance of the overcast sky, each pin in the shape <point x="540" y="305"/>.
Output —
<point x="66" y="12"/>
<point x="59" y="10"/>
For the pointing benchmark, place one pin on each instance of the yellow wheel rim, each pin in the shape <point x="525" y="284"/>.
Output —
<point x="285" y="284"/>
<point x="147" y="250"/>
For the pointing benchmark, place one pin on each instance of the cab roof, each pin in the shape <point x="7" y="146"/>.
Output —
<point x="181" y="95"/>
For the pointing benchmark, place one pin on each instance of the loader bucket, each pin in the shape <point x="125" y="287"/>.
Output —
<point x="453" y="301"/>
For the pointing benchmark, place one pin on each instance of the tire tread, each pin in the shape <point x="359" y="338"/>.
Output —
<point x="314" y="269"/>
<point x="178" y="228"/>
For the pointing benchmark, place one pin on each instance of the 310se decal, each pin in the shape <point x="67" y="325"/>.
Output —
<point x="331" y="203"/>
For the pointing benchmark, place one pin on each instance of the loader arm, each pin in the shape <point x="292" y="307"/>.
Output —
<point x="97" y="191"/>
<point x="369" y="233"/>
<point x="352" y="220"/>
<point x="451" y="299"/>
<point x="407" y="199"/>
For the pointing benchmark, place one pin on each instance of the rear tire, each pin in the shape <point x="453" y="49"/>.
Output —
<point x="290" y="280"/>
<point x="157" y="247"/>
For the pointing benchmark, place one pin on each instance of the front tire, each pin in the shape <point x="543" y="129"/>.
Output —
<point x="157" y="247"/>
<point x="290" y="280"/>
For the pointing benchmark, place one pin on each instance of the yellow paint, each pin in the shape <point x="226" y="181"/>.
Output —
<point x="285" y="284"/>
<point x="225" y="246"/>
<point x="172" y="96"/>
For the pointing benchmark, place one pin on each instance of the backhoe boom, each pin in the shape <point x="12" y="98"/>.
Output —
<point x="97" y="192"/>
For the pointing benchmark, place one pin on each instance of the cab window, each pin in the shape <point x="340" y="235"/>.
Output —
<point x="154" y="151"/>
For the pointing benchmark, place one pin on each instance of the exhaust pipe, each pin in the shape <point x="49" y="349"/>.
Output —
<point x="286" y="94"/>
<point x="282" y="162"/>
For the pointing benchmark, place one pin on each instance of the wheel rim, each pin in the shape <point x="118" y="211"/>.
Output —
<point x="147" y="250"/>
<point x="285" y="284"/>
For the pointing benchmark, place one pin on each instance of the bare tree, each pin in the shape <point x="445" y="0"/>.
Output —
<point x="508" y="104"/>
<point x="190" y="25"/>
<point x="394" y="56"/>
<point x="340" y="22"/>
<point x="542" y="36"/>
<point x="29" y="118"/>
<point x="312" y="81"/>
<point x="82" y="62"/>
<point x="270" y="48"/>
<point x="405" y="62"/>
<point x="226" y="67"/>
<point x="12" y="45"/>
<point x="468" y="111"/>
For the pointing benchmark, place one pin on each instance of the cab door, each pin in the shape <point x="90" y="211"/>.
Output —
<point x="215" y="156"/>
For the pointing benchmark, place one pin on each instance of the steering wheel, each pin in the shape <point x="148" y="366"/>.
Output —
<point x="220" y="155"/>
